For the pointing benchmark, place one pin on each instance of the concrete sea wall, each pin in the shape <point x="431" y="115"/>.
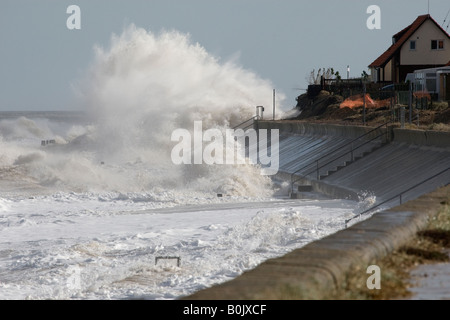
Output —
<point x="385" y="162"/>
<point x="396" y="161"/>
<point x="312" y="271"/>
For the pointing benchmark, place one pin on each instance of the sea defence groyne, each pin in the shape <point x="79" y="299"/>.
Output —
<point x="405" y="170"/>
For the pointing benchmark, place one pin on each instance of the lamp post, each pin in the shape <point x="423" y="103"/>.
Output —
<point x="274" y="104"/>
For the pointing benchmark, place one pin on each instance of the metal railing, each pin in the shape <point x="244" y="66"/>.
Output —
<point x="400" y="196"/>
<point x="244" y="122"/>
<point x="338" y="149"/>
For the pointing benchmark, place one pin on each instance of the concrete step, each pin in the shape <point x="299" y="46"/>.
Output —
<point x="305" y="188"/>
<point x="300" y="189"/>
<point x="308" y="196"/>
<point x="346" y="163"/>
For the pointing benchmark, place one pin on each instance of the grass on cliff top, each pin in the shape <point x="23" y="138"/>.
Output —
<point x="427" y="247"/>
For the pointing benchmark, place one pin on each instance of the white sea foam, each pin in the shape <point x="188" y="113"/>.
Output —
<point x="135" y="93"/>
<point x="147" y="85"/>
<point x="74" y="246"/>
<point x="86" y="216"/>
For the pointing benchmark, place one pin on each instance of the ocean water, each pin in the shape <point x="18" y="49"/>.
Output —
<point x="93" y="207"/>
<point x="72" y="227"/>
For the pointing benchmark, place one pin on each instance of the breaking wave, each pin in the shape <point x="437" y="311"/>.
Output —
<point x="134" y="95"/>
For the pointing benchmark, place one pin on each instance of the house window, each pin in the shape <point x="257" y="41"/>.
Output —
<point x="437" y="44"/>
<point x="412" y="45"/>
<point x="433" y="44"/>
<point x="431" y="85"/>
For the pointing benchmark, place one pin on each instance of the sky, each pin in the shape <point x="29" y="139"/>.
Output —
<point x="281" y="41"/>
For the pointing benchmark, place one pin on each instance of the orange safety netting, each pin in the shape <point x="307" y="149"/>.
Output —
<point x="357" y="101"/>
<point x="422" y="94"/>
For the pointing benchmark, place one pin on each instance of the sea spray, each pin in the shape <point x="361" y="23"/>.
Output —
<point x="135" y="94"/>
<point x="145" y="86"/>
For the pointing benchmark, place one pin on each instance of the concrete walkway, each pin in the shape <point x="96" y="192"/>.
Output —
<point x="313" y="270"/>
<point x="431" y="282"/>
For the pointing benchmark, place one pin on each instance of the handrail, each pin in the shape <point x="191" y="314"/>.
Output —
<point x="342" y="155"/>
<point x="252" y="118"/>
<point x="337" y="149"/>
<point x="247" y="126"/>
<point x="398" y="195"/>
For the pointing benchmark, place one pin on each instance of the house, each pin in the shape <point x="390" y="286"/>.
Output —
<point x="423" y="44"/>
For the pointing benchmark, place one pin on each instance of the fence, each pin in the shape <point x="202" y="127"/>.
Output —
<point x="380" y="95"/>
<point x="399" y="93"/>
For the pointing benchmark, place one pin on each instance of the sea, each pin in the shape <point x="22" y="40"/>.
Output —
<point x="93" y="207"/>
<point x="78" y="223"/>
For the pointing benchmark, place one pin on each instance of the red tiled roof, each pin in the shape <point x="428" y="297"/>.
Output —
<point x="399" y="34"/>
<point x="400" y="38"/>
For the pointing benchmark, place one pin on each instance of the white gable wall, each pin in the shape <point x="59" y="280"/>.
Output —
<point x="423" y="55"/>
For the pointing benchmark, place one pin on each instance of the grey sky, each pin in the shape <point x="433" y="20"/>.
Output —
<point x="280" y="40"/>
